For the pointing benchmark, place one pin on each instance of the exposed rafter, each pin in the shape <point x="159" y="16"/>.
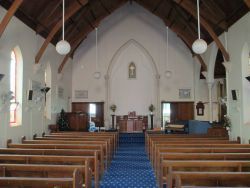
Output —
<point x="190" y="8"/>
<point x="247" y="3"/>
<point x="76" y="40"/>
<point x="157" y="6"/>
<point x="47" y="15"/>
<point x="214" y="14"/>
<point x="9" y="15"/>
<point x="74" y="7"/>
<point x="104" y="6"/>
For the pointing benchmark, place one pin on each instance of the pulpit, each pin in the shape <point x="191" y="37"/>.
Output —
<point x="131" y="124"/>
<point x="78" y="121"/>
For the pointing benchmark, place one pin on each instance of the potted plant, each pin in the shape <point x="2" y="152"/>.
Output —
<point x="113" y="108"/>
<point x="227" y="122"/>
<point x="151" y="108"/>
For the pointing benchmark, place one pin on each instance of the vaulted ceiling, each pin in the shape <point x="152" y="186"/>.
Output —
<point x="82" y="16"/>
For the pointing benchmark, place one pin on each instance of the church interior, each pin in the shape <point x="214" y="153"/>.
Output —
<point x="124" y="93"/>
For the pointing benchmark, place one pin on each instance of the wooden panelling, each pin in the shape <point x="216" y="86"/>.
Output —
<point x="84" y="107"/>
<point x="181" y="111"/>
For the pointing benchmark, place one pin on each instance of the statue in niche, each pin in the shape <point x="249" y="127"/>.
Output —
<point x="132" y="70"/>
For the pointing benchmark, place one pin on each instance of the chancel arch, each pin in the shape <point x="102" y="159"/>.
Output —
<point x="139" y="90"/>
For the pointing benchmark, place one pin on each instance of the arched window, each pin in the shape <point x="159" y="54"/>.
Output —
<point x="16" y="87"/>
<point x="47" y="79"/>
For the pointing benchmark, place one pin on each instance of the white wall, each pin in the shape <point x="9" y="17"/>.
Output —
<point x="238" y="46"/>
<point x="132" y="22"/>
<point x="238" y="42"/>
<point x="33" y="121"/>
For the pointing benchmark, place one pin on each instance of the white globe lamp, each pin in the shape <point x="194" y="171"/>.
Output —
<point x="168" y="74"/>
<point x="97" y="75"/>
<point x="199" y="46"/>
<point x="63" y="47"/>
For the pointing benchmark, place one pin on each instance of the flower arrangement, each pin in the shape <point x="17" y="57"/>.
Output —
<point x="227" y="122"/>
<point x="151" y="108"/>
<point x="113" y="107"/>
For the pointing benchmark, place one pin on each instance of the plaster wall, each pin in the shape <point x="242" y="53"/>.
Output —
<point x="33" y="120"/>
<point x="132" y="22"/>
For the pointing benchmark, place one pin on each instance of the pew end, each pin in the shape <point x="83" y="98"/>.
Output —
<point x="23" y="138"/>
<point x="34" y="136"/>
<point x="9" y="141"/>
<point x="77" y="177"/>
<point x="239" y="139"/>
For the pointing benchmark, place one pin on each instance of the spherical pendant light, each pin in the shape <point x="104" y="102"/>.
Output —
<point x="63" y="47"/>
<point x="97" y="75"/>
<point x="199" y="46"/>
<point x="168" y="74"/>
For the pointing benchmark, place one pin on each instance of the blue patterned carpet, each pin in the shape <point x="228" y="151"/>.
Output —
<point x="130" y="167"/>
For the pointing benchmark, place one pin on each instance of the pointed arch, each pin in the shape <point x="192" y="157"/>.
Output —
<point x="153" y="66"/>
<point x="125" y="46"/>
<point x="16" y="86"/>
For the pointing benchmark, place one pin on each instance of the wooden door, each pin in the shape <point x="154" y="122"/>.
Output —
<point x="181" y="111"/>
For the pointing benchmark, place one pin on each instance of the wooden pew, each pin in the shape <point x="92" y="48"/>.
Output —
<point x="106" y="147"/>
<point x="195" y="150"/>
<point x="112" y="138"/>
<point x="60" y="146"/>
<point x="52" y="158"/>
<point x="168" y="167"/>
<point x="115" y="135"/>
<point x="199" y="156"/>
<point x="18" y="171"/>
<point x="14" y="182"/>
<point x="183" y="139"/>
<point x="216" y="179"/>
<point x="149" y="137"/>
<point x="199" y="145"/>
<point x="95" y="165"/>
<point x="155" y="144"/>
<point x="45" y="159"/>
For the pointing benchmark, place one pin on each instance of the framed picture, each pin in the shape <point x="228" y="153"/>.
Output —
<point x="132" y="70"/>
<point x="60" y="92"/>
<point x="81" y="94"/>
<point x="184" y="93"/>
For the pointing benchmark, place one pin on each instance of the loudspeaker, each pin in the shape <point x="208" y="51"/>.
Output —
<point x="30" y="95"/>
<point x="234" y="95"/>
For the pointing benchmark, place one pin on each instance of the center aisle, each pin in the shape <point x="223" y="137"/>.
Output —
<point x="130" y="167"/>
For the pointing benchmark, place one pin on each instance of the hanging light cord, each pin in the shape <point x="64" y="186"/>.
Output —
<point x="167" y="49"/>
<point x="198" y="16"/>
<point x="63" y="20"/>
<point x="96" y="48"/>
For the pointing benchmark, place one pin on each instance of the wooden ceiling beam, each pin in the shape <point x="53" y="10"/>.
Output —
<point x="104" y="6"/>
<point x="214" y="14"/>
<point x="185" y="20"/>
<point x="247" y="2"/>
<point x="47" y="14"/>
<point x="74" y="7"/>
<point x="157" y="6"/>
<point x="75" y="42"/>
<point x="15" y="5"/>
<point x="191" y="9"/>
